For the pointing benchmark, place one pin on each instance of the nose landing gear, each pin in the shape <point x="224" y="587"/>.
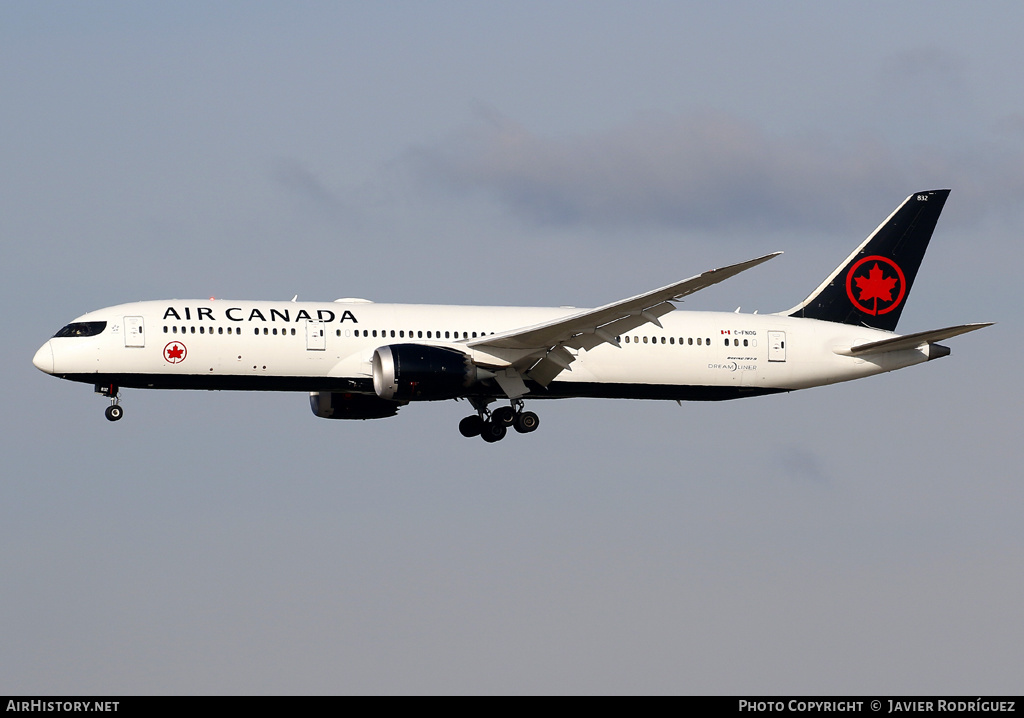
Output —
<point x="113" y="412"/>
<point x="492" y="426"/>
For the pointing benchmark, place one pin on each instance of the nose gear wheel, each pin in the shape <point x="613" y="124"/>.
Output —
<point x="114" y="412"/>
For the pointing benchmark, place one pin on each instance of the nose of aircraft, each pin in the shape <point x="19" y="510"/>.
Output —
<point x="44" y="358"/>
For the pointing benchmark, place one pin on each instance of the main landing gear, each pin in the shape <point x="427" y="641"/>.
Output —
<point x="113" y="412"/>
<point x="492" y="426"/>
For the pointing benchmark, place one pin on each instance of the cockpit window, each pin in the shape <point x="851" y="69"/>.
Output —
<point x="82" y="329"/>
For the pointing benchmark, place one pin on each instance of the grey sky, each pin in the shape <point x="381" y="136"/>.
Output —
<point x="862" y="538"/>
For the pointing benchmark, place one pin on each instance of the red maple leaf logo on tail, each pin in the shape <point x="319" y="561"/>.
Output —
<point x="876" y="286"/>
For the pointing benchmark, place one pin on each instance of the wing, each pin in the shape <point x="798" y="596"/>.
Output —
<point x="541" y="352"/>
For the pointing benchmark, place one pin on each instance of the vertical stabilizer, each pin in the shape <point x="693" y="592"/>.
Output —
<point x="871" y="287"/>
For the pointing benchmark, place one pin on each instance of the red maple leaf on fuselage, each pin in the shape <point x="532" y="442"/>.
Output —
<point x="875" y="286"/>
<point x="174" y="352"/>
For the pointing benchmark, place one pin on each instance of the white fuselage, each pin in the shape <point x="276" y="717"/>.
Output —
<point x="307" y="346"/>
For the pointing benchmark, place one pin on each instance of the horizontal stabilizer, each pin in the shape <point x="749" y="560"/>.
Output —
<point x="911" y="341"/>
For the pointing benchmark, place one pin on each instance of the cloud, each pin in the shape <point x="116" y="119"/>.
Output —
<point x="801" y="464"/>
<point x="925" y="84"/>
<point x="707" y="171"/>
<point x="303" y="184"/>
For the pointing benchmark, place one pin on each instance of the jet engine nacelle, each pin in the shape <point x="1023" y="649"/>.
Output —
<point x="337" y="405"/>
<point x="414" y="372"/>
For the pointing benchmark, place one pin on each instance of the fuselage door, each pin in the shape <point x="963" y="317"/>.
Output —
<point x="316" y="335"/>
<point x="776" y="346"/>
<point x="133" y="334"/>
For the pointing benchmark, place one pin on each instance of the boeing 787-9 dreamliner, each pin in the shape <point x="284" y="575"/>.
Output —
<point x="364" y="360"/>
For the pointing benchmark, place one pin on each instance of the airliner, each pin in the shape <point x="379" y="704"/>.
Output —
<point x="363" y="360"/>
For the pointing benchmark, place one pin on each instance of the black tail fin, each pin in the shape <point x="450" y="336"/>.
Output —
<point x="871" y="287"/>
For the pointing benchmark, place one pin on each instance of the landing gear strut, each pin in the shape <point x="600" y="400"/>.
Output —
<point x="113" y="412"/>
<point x="492" y="426"/>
